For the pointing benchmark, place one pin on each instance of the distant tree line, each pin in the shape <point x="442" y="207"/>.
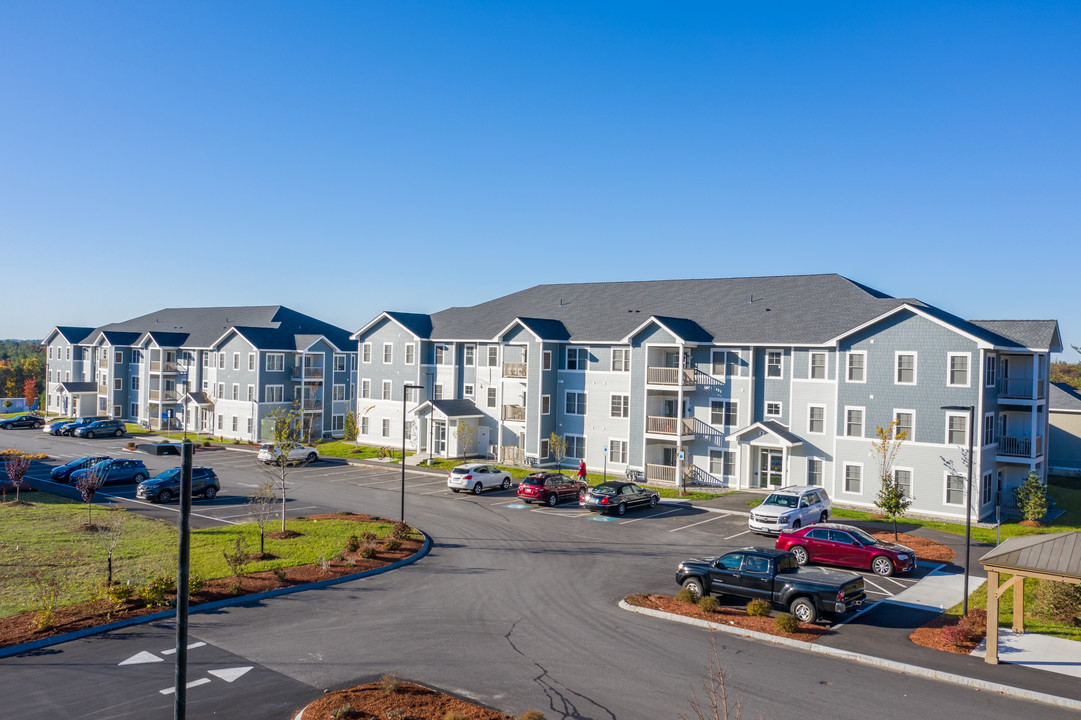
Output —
<point x="1067" y="372"/>
<point x="22" y="369"/>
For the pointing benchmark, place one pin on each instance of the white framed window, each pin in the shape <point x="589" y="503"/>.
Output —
<point x="221" y="391"/>
<point x="235" y="425"/>
<point x="905" y="423"/>
<point x="818" y="366"/>
<point x="386" y="390"/>
<point x="135" y="410"/>
<point x="857" y="366"/>
<point x="467" y="390"/>
<point x="816" y="419"/>
<point x="986" y="490"/>
<point x="250" y="425"/>
<point x="577" y="358"/>
<point x="957" y="429"/>
<point x="365" y="388"/>
<point x="341" y="362"/>
<point x="251" y="393"/>
<point x="621" y="359"/>
<point x="491" y="397"/>
<point x="275" y="362"/>
<point x="221" y="419"/>
<point x="576" y="403"/>
<point x="853" y="473"/>
<point x="470" y="358"/>
<point x="773" y="409"/>
<point x="724" y="413"/>
<point x="957" y="369"/>
<point x="337" y="423"/>
<point x="206" y="360"/>
<point x="136" y="356"/>
<point x="134" y="382"/>
<point x="621" y="405"/>
<point x="236" y="391"/>
<point x="774" y="368"/>
<point x="546" y="404"/>
<point x="221" y="362"/>
<point x="954" y="490"/>
<point x="412" y="394"/>
<point x="236" y="363"/>
<point x="493" y="356"/>
<point x="442" y="354"/>
<point x="617" y="451"/>
<point x="366" y="353"/>
<point x="990" y="370"/>
<point x="989" y="429"/>
<point x="386" y="427"/>
<point x="363" y="426"/>
<point x="544" y="450"/>
<point x="814" y="471"/>
<point x="546" y="360"/>
<point x="854" y="421"/>
<point x="904" y="368"/>
<point x="338" y="393"/>
<point x="274" y="393"/>
<point x="388" y="353"/>
<point x="576" y="446"/>
<point x="51" y="352"/>
<point x="410" y="354"/>
<point x="722" y="463"/>
<point x="118" y="357"/>
<point x="251" y="361"/>
<point x="437" y="394"/>
<point x="903" y="478"/>
<point x="725" y="363"/>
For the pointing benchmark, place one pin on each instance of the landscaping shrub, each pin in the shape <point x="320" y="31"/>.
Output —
<point x="117" y="593"/>
<point x="390" y="683"/>
<point x="352" y="544"/>
<point x="531" y="715"/>
<point x="391" y="545"/>
<point x="279" y="573"/>
<point x="708" y="604"/>
<point x="46" y="596"/>
<point x="685" y="595"/>
<point x="155" y="591"/>
<point x="786" y="622"/>
<point x="341" y="712"/>
<point x="758" y="608"/>
<point x="1057" y="601"/>
<point x="206" y="443"/>
<point x="968" y="629"/>
<point x="401" y="531"/>
<point x="195" y="584"/>
<point x="367" y="552"/>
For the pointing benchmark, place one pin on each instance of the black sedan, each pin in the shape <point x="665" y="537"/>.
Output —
<point x="63" y="472"/>
<point x="616" y="497"/>
<point x="21" y="421"/>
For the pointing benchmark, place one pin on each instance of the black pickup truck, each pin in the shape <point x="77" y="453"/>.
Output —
<point x="775" y="576"/>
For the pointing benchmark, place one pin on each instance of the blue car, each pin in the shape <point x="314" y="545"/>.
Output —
<point x="71" y="426"/>
<point x="115" y="472"/>
<point x="63" y="472"/>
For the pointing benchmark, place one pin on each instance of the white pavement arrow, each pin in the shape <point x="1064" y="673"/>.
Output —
<point x="193" y="683"/>
<point x="143" y="657"/>
<point x="230" y="674"/>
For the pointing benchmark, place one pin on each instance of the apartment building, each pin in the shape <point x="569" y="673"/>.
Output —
<point x="218" y="371"/>
<point x="736" y="382"/>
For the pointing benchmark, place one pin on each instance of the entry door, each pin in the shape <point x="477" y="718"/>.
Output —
<point x="669" y="456"/>
<point x="482" y="440"/>
<point x="770" y="470"/>
<point x="440" y="441"/>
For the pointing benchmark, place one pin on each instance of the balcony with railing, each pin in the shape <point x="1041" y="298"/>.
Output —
<point x="670" y="376"/>
<point x="514" y="413"/>
<point x="514" y="369"/>
<point x="103" y="389"/>
<point x="169" y="366"/>
<point x="164" y="396"/>
<point x="683" y="427"/>
<point x="103" y="361"/>
<point x="1019" y="388"/>
<point x="666" y="474"/>
<point x="1019" y="447"/>
<point x="309" y="371"/>
<point x="311" y="404"/>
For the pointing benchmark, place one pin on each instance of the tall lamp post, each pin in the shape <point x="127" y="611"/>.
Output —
<point x="970" y="431"/>
<point x="405" y="395"/>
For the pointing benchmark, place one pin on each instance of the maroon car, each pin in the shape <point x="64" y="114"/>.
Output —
<point x="550" y="487"/>
<point x="833" y="544"/>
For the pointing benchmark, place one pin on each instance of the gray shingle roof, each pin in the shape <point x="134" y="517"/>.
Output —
<point x="457" y="408"/>
<point x="1036" y="334"/>
<point x="1064" y="398"/>
<point x="1059" y="553"/>
<point x="79" y="387"/>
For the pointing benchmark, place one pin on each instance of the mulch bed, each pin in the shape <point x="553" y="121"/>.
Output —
<point x="934" y="635"/>
<point x="372" y="701"/>
<point x="17" y="629"/>
<point x="736" y="617"/>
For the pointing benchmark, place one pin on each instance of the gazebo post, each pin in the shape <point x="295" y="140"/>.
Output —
<point x="1019" y="605"/>
<point x="991" y="655"/>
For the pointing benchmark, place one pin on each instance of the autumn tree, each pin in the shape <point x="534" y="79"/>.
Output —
<point x="351" y="430"/>
<point x="466" y="438"/>
<point x="88" y="484"/>
<point x="891" y="499"/>
<point x="30" y="391"/>
<point x="557" y="446"/>
<point x="16" y="468"/>
<point x="285" y="428"/>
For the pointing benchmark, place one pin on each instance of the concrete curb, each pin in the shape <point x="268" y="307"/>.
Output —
<point x="217" y="604"/>
<point x="900" y="667"/>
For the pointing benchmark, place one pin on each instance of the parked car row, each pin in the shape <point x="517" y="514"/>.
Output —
<point x="163" y="487"/>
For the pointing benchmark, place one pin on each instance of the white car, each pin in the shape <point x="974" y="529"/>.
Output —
<point x="270" y="453"/>
<point x="789" y="508"/>
<point x="476" y="477"/>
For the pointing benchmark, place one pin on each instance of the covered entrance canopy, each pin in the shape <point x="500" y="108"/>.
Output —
<point x="439" y="414"/>
<point x="1046" y="557"/>
<point x="768" y="449"/>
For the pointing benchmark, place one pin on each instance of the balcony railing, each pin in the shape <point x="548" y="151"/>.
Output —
<point x="103" y="362"/>
<point x="514" y="369"/>
<point x="669" y="425"/>
<point x="103" y="389"/>
<point x="670" y="376"/>
<point x="1018" y="446"/>
<point x="308" y="372"/>
<point x="159" y="366"/>
<point x="312" y="404"/>
<point x="1019" y="388"/>
<point x="166" y="396"/>
<point x="514" y="413"/>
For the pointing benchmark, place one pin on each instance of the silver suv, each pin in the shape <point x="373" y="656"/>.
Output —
<point x="789" y="508"/>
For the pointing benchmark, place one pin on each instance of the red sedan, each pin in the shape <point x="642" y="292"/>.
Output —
<point x="833" y="544"/>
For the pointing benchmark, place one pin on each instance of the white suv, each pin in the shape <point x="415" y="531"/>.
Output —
<point x="292" y="452"/>
<point x="789" y="508"/>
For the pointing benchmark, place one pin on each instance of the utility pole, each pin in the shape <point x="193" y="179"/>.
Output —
<point x="180" y="709"/>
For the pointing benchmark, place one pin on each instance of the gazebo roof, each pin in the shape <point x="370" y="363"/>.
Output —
<point x="1057" y="554"/>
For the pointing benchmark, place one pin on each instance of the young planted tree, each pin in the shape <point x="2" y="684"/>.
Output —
<point x="1032" y="498"/>
<point x="262" y="503"/>
<point x="891" y="499"/>
<point x="87" y="486"/>
<point x="351" y="430"/>
<point x="285" y="428"/>
<point x="110" y="534"/>
<point x="557" y="446"/>
<point x="466" y="438"/>
<point x="16" y="468"/>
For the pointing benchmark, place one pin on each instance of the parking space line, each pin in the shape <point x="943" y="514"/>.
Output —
<point x="444" y="491"/>
<point x="649" y="517"/>
<point x="700" y="522"/>
<point x="171" y="509"/>
<point x="745" y="532"/>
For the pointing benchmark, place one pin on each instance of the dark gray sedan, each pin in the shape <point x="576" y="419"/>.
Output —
<point x="615" y="497"/>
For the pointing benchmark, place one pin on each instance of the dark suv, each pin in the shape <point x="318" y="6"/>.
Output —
<point x="549" y="487"/>
<point x="114" y="472"/>
<point x="166" y="486"/>
<point x="102" y="428"/>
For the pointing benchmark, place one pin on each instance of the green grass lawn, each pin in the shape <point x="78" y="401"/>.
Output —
<point x="41" y="537"/>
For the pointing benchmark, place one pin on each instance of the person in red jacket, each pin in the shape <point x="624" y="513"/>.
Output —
<point x="582" y="471"/>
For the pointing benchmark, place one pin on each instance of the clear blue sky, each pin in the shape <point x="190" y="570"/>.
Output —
<point x="343" y="158"/>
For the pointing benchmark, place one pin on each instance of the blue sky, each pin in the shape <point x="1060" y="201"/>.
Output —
<point x="343" y="158"/>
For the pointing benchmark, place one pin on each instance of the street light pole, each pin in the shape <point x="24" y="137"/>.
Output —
<point x="405" y="394"/>
<point x="970" y="431"/>
<point x="431" y="424"/>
